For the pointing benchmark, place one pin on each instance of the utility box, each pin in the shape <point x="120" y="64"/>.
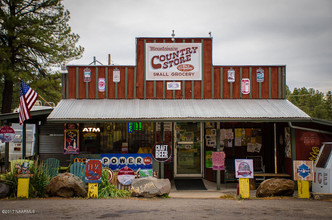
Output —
<point x="323" y="170"/>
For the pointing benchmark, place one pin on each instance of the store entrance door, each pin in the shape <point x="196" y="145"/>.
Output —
<point x="188" y="149"/>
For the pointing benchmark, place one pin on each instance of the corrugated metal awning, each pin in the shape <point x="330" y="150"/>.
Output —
<point x="102" y="110"/>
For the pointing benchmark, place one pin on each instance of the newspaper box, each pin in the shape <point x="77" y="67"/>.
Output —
<point x="323" y="170"/>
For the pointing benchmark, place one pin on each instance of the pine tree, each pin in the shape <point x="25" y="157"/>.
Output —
<point x="34" y="37"/>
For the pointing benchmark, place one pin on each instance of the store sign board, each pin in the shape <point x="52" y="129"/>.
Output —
<point x="93" y="171"/>
<point x="303" y="170"/>
<point x="173" y="61"/>
<point x="133" y="161"/>
<point x="244" y="168"/>
<point x="161" y="152"/>
<point x="7" y="134"/>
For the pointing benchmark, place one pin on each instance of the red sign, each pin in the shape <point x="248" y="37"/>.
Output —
<point x="93" y="171"/>
<point x="7" y="134"/>
<point x="126" y="176"/>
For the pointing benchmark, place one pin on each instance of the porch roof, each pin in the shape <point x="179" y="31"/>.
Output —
<point x="107" y="110"/>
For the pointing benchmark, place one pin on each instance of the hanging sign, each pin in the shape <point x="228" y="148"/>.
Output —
<point x="126" y="176"/>
<point x="244" y="168"/>
<point x="71" y="139"/>
<point x="303" y="170"/>
<point x="218" y="160"/>
<point x="161" y="152"/>
<point x="116" y="75"/>
<point x="133" y="161"/>
<point x="231" y="75"/>
<point x="7" y="134"/>
<point x="173" y="61"/>
<point x="101" y="84"/>
<point x="87" y="75"/>
<point x="93" y="171"/>
<point x="260" y="75"/>
<point x="245" y="86"/>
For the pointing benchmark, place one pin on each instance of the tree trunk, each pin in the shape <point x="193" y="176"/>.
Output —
<point x="7" y="96"/>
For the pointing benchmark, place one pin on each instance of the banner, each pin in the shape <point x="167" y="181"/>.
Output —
<point x="173" y="61"/>
<point x="133" y="161"/>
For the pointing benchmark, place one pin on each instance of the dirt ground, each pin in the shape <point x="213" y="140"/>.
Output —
<point x="167" y="208"/>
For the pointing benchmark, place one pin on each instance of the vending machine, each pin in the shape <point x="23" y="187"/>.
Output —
<point x="323" y="170"/>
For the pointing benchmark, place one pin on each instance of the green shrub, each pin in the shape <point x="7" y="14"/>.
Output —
<point x="107" y="190"/>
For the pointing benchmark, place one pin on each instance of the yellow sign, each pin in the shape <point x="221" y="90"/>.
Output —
<point x="23" y="188"/>
<point x="244" y="188"/>
<point x="93" y="190"/>
<point x="303" y="189"/>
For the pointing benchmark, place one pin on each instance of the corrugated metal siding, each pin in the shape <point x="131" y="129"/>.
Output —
<point x="51" y="139"/>
<point x="184" y="109"/>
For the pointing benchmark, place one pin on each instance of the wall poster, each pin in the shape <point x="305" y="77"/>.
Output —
<point x="173" y="61"/>
<point x="71" y="139"/>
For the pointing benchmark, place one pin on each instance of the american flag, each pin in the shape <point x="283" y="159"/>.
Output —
<point x="28" y="97"/>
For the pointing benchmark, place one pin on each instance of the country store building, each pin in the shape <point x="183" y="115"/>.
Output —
<point x="176" y="95"/>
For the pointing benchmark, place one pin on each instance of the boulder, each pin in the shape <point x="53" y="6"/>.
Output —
<point x="275" y="187"/>
<point x="4" y="190"/>
<point x="150" y="187"/>
<point x="66" y="185"/>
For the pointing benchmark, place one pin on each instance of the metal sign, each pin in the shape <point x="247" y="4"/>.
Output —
<point x="133" y="161"/>
<point x="244" y="168"/>
<point x="260" y="75"/>
<point x="87" y="75"/>
<point x="231" y="75"/>
<point x="126" y="176"/>
<point x="303" y="170"/>
<point x="93" y="171"/>
<point x="116" y="75"/>
<point x="245" y="86"/>
<point x="161" y="152"/>
<point x="7" y="134"/>
<point x="101" y="84"/>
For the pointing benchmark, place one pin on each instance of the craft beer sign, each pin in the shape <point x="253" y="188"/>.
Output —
<point x="173" y="61"/>
<point x="161" y="152"/>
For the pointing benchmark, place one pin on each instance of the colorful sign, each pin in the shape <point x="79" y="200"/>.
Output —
<point x="260" y="75"/>
<point x="173" y="86"/>
<point x="101" y="85"/>
<point x="208" y="159"/>
<point x="244" y="168"/>
<point x="161" y="152"/>
<point x="93" y="190"/>
<point x="87" y="75"/>
<point x="231" y="75"/>
<point x="173" y="61"/>
<point x="245" y="86"/>
<point x="71" y="139"/>
<point x="93" y="171"/>
<point x="303" y="170"/>
<point x="126" y="176"/>
<point x="116" y="75"/>
<point x="133" y="161"/>
<point x="7" y="134"/>
<point x="218" y="160"/>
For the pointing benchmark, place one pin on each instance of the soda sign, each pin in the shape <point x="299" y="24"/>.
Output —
<point x="93" y="171"/>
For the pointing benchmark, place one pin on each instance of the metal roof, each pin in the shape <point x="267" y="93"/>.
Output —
<point x="80" y="110"/>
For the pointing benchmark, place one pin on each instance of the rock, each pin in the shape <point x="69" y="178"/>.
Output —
<point x="4" y="190"/>
<point x="150" y="186"/>
<point x="275" y="187"/>
<point x="66" y="185"/>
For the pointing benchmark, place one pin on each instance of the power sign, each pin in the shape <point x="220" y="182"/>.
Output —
<point x="161" y="152"/>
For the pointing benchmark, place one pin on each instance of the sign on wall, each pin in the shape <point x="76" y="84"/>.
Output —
<point x="218" y="160"/>
<point x="245" y="86"/>
<point x="173" y="61"/>
<point x="101" y="85"/>
<point x="133" y="161"/>
<point x="244" y="168"/>
<point x="231" y="75"/>
<point x="87" y="75"/>
<point x="93" y="171"/>
<point x="260" y="75"/>
<point x="161" y="152"/>
<point x="71" y="139"/>
<point x="303" y="170"/>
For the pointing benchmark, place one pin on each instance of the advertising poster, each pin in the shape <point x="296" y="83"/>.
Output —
<point x="260" y="75"/>
<point x="87" y="75"/>
<point x="231" y="75"/>
<point x="218" y="160"/>
<point x="116" y="75"/>
<point x="101" y="85"/>
<point x="133" y="161"/>
<point x="161" y="152"/>
<point x="244" y="168"/>
<point x="126" y="176"/>
<point x="173" y="61"/>
<point x="303" y="170"/>
<point x="245" y="86"/>
<point x="7" y="134"/>
<point x="208" y="159"/>
<point x="93" y="171"/>
<point x="71" y="139"/>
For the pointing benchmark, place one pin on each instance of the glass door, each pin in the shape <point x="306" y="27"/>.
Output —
<point x="188" y="150"/>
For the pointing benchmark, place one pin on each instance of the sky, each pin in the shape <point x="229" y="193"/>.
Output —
<point x="295" y="33"/>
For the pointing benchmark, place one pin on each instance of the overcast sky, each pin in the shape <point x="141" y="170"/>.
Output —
<point x="295" y="33"/>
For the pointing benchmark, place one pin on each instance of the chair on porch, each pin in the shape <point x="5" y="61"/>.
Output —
<point x="78" y="169"/>
<point x="52" y="166"/>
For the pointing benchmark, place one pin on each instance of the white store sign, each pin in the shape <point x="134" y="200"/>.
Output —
<point x="173" y="61"/>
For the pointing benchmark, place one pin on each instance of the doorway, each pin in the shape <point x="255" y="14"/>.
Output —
<point x="188" y="149"/>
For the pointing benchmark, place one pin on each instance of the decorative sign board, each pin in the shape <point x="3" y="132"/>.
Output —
<point x="133" y="161"/>
<point x="7" y="134"/>
<point x="161" y="152"/>
<point x="87" y="75"/>
<point x="218" y="160"/>
<point x="245" y="86"/>
<point x="173" y="86"/>
<point x="116" y="75"/>
<point x="93" y="171"/>
<point x="126" y="176"/>
<point x="101" y="85"/>
<point x="244" y="168"/>
<point x="173" y="61"/>
<point x="231" y="75"/>
<point x="260" y="75"/>
<point x="303" y="170"/>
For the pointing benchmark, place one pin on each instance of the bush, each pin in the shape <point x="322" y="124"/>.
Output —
<point x="107" y="190"/>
